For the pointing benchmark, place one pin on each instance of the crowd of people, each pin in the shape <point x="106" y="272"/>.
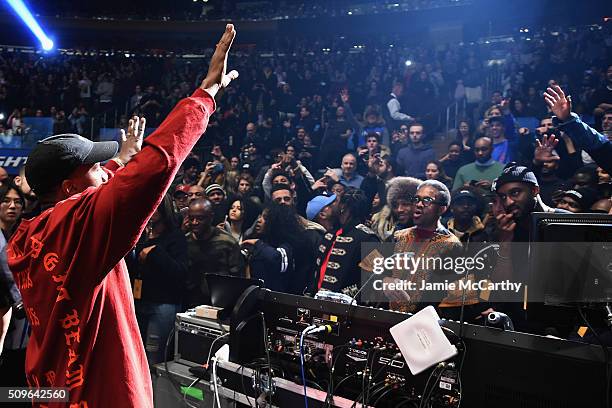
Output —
<point x="239" y="11"/>
<point x="73" y="89"/>
<point x="307" y="158"/>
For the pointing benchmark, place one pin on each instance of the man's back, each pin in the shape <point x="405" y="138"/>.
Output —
<point x="84" y="330"/>
<point x="68" y="264"/>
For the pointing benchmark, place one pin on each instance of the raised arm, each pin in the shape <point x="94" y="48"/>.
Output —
<point x="118" y="210"/>
<point x="583" y="136"/>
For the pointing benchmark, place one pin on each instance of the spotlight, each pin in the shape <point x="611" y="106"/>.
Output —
<point x="47" y="44"/>
<point x="408" y="63"/>
<point x="22" y="11"/>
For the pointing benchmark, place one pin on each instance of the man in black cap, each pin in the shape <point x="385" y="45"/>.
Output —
<point x="465" y="224"/>
<point x="517" y="192"/>
<point x="578" y="200"/>
<point x="517" y="197"/>
<point x="68" y="261"/>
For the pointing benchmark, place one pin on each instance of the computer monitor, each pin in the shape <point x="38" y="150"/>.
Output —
<point x="570" y="259"/>
<point x="225" y="291"/>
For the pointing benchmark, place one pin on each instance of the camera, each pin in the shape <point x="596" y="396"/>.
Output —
<point x="218" y="168"/>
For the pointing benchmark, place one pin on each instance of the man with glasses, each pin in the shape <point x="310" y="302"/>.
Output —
<point x="483" y="170"/>
<point x="428" y="239"/>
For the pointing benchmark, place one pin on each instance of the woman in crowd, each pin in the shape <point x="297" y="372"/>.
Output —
<point x="435" y="171"/>
<point x="12" y="363"/>
<point x="465" y="136"/>
<point x="272" y="256"/>
<point x="11" y="207"/>
<point x="240" y="217"/>
<point x="455" y="158"/>
<point x="158" y="269"/>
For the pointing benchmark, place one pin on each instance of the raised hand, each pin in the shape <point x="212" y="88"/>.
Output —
<point x="217" y="78"/>
<point x="558" y="102"/>
<point x="320" y="183"/>
<point x="332" y="174"/>
<point x="344" y="95"/>
<point x="131" y="142"/>
<point x="544" y="149"/>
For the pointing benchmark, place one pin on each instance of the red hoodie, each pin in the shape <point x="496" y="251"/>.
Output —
<point x="68" y="265"/>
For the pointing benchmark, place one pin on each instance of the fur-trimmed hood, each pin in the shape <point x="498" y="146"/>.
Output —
<point x="401" y="188"/>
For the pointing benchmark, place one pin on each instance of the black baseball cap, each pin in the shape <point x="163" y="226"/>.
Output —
<point x="55" y="158"/>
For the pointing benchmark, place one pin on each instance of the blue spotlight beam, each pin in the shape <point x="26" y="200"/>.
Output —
<point x="22" y="11"/>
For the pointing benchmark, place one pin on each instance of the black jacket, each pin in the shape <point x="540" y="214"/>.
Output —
<point x="164" y="272"/>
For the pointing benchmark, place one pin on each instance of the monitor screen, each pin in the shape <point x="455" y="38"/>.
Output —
<point x="570" y="258"/>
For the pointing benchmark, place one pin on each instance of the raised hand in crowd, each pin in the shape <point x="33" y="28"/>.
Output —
<point x="332" y="175"/>
<point x="344" y="96"/>
<point x="131" y="141"/>
<point x="217" y="77"/>
<point x="558" y="102"/>
<point x="544" y="149"/>
<point x="320" y="183"/>
<point x="374" y="164"/>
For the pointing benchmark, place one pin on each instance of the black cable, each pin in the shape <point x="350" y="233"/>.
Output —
<point x="330" y="384"/>
<point x="426" y="391"/>
<point x="244" y="388"/>
<point x="408" y="400"/>
<point x="606" y="355"/>
<point x="365" y="389"/>
<point x="174" y="383"/>
<point x="375" y="391"/>
<point x="267" y="348"/>
<point x="382" y="396"/>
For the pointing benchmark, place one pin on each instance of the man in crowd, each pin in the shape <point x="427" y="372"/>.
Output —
<point x="321" y="210"/>
<point x="465" y="223"/>
<point x="578" y="200"/>
<point x="181" y="196"/>
<point x="517" y="197"/>
<point x="340" y="253"/>
<point x="77" y="292"/>
<point x="347" y="173"/>
<point x="397" y="214"/>
<point x="216" y="195"/>
<point x="337" y="134"/>
<point x="427" y="239"/>
<point x="503" y="149"/>
<point x="191" y="171"/>
<point x="210" y="250"/>
<point x="483" y="170"/>
<point x="313" y="235"/>
<point x="414" y="158"/>
<point x="194" y="192"/>
<point x="546" y="168"/>
<point x="394" y="108"/>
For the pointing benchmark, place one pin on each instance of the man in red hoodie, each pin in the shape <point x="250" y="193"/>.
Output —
<point x="68" y="261"/>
